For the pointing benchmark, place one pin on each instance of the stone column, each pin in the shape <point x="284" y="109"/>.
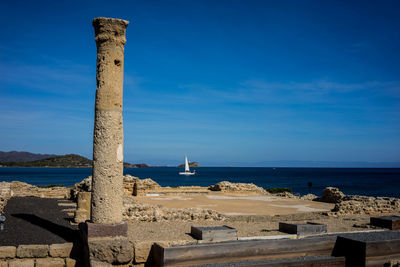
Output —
<point x="108" y="129"/>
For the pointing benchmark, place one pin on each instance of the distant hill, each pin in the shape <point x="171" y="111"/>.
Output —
<point x="191" y="164"/>
<point x="139" y="165"/>
<point x="63" y="161"/>
<point x="22" y="156"/>
<point x="66" y="161"/>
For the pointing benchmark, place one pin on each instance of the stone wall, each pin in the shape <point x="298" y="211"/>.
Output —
<point x="366" y="205"/>
<point x="5" y="194"/>
<point x="54" y="255"/>
<point x="142" y="186"/>
<point x="20" y="189"/>
<point x="229" y="187"/>
<point x="353" y="204"/>
<point x="148" y="213"/>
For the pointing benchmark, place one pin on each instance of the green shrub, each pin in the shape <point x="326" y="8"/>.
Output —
<point x="50" y="185"/>
<point x="278" y="190"/>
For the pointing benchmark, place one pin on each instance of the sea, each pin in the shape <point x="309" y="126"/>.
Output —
<point x="379" y="182"/>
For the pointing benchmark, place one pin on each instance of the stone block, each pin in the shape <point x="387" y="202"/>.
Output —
<point x="3" y="263"/>
<point x="21" y="263"/>
<point x="61" y="250"/>
<point x="50" y="262"/>
<point x="142" y="251"/>
<point x="94" y="263"/>
<point x="95" y="230"/>
<point x="390" y="222"/>
<point x="81" y="215"/>
<point x="83" y="201"/>
<point x="114" y="251"/>
<point x="308" y="228"/>
<point x="72" y="263"/>
<point x="32" y="251"/>
<point x="8" y="252"/>
<point x="214" y="233"/>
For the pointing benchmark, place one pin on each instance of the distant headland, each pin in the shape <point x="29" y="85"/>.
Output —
<point x="27" y="159"/>
<point x="191" y="164"/>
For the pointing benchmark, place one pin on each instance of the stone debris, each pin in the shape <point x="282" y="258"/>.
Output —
<point x="226" y="186"/>
<point x="286" y="195"/>
<point x="310" y="197"/>
<point x="148" y="213"/>
<point x="83" y="186"/>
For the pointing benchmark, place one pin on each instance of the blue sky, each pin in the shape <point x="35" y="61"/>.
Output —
<point x="225" y="82"/>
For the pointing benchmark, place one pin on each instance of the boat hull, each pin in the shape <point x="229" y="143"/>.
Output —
<point x="187" y="173"/>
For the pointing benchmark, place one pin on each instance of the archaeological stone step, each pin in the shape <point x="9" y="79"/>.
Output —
<point x="308" y="228"/>
<point x="390" y="222"/>
<point x="368" y="248"/>
<point x="214" y="233"/>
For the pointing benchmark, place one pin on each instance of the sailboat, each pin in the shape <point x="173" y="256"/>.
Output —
<point x="187" y="170"/>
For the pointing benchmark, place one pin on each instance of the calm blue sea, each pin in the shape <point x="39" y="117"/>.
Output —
<point x="361" y="181"/>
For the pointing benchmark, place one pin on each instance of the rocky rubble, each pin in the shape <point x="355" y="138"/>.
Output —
<point x="353" y="204"/>
<point x="226" y="186"/>
<point x="132" y="185"/>
<point x="133" y="210"/>
<point x="366" y="205"/>
<point x="332" y="195"/>
<point x="141" y="186"/>
<point x="310" y="197"/>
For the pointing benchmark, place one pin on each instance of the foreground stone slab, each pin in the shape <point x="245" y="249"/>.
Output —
<point x="61" y="250"/>
<point x="214" y="233"/>
<point x="21" y="263"/>
<point x="114" y="251"/>
<point x="308" y="228"/>
<point x="8" y="252"/>
<point x="390" y="222"/>
<point x="314" y="261"/>
<point x="32" y="251"/>
<point x="50" y="262"/>
<point x="142" y="251"/>
<point x="241" y="250"/>
<point x="368" y="249"/>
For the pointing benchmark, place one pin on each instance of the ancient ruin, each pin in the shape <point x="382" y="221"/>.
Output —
<point x="108" y="126"/>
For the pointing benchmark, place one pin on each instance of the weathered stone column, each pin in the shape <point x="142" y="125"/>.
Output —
<point x="108" y="129"/>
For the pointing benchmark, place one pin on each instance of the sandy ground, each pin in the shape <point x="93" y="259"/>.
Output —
<point x="238" y="204"/>
<point x="251" y="215"/>
<point x="247" y="226"/>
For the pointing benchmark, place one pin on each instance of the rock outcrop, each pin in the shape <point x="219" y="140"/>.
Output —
<point x="148" y="213"/>
<point x="226" y="186"/>
<point x="332" y="195"/>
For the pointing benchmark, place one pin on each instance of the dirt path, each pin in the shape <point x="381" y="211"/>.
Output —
<point x="230" y="204"/>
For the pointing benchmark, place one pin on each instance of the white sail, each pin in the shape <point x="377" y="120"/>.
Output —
<point x="186" y="165"/>
<point x="187" y="170"/>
